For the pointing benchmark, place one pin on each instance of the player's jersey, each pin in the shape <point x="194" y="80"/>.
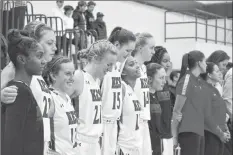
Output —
<point x="90" y="110"/>
<point x="63" y="126"/>
<point x="129" y="133"/>
<point x="112" y="93"/>
<point x="142" y="91"/>
<point x="43" y="98"/>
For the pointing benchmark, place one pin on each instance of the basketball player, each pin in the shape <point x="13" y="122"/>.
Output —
<point x="101" y="56"/>
<point x="129" y="139"/>
<point x="143" y="52"/>
<point x="58" y="74"/>
<point x="46" y="37"/>
<point x="23" y="133"/>
<point x="124" y="41"/>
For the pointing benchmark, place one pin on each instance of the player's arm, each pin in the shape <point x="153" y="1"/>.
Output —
<point x="16" y="117"/>
<point x="78" y="84"/>
<point x="182" y="90"/>
<point x="7" y="74"/>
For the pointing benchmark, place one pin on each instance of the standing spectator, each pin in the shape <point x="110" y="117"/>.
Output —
<point x="69" y="24"/>
<point x="58" y="12"/>
<point x="100" y="26"/>
<point x="80" y="23"/>
<point x="79" y="17"/>
<point x="89" y="14"/>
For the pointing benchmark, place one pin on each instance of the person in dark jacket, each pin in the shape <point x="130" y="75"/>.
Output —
<point x="79" y="17"/>
<point x="162" y="57"/>
<point x="213" y="144"/>
<point x="156" y="76"/>
<point x="100" y="26"/>
<point x="24" y="133"/>
<point x="80" y="23"/>
<point x="89" y="14"/>
<point x="194" y="104"/>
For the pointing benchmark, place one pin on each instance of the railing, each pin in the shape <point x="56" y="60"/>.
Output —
<point x="203" y="15"/>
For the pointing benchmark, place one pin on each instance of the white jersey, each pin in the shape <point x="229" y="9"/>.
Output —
<point x="63" y="126"/>
<point x="90" y="110"/>
<point x="142" y="91"/>
<point x="112" y="94"/>
<point x="129" y="133"/>
<point x="43" y="98"/>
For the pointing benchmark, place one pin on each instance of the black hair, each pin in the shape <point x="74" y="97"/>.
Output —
<point x="67" y="8"/>
<point x="189" y="61"/>
<point x="19" y="44"/>
<point x="91" y="3"/>
<point x="174" y="73"/>
<point x="121" y="35"/>
<point x="53" y="67"/>
<point x="209" y="70"/>
<point x="62" y="1"/>
<point x="218" y="56"/>
<point x="229" y="65"/>
<point x="141" y="40"/>
<point x="158" y="55"/>
<point x="152" y="69"/>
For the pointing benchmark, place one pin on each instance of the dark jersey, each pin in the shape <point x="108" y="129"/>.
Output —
<point x="160" y="105"/>
<point x="23" y="134"/>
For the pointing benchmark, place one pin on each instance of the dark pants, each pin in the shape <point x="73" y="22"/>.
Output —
<point x="191" y="143"/>
<point x="155" y="143"/>
<point x="228" y="145"/>
<point x="213" y="145"/>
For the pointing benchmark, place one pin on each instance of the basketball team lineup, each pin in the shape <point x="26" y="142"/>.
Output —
<point x="125" y="97"/>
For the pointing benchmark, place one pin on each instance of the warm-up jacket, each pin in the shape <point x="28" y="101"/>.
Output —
<point x="23" y="133"/>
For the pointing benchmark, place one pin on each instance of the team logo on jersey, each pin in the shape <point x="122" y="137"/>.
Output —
<point x="116" y="82"/>
<point x="43" y="86"/>
<point x="96" y="94"/>
<point x="163" y="96"/>
<point x="144" y="82"/>
<point x="137" y="106"/>
<point x="71" y="117"/>
<point x="62" y="105"/>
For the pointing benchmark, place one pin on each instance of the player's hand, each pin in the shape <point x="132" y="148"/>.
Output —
<point x="177" y="116"/>
<point x="9" y="94"/>
<point x="175" y="142"/>
<point x="224" y="137"/>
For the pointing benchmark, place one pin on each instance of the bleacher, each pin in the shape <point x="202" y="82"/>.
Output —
<point x="16" y="18"/>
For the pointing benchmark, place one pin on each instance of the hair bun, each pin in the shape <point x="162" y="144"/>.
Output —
<point x="24" y="33"/>
<point x="14" y="36"/>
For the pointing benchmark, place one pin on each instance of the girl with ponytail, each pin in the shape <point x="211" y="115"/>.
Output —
<point x="124" y="41"/>
<point x="143" y="52"/>
<point x="193" y="103"/>
<point x="45" y="36"/>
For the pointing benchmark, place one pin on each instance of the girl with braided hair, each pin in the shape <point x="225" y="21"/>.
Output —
<point x="162" y="57"/>
<point x="101" y="57"/>
<point x="23" y="119"/>
<point x="143" y="52"/>
<point x="46" y="38"/>
<point x="58" y="75"/>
